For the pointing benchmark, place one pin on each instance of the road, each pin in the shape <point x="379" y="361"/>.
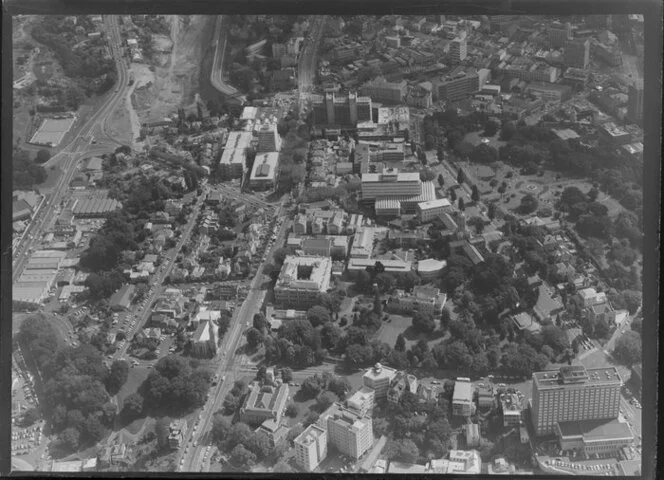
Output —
<point x="217" y="71"/>
<point x="71" y="154"/>
<point x="230" y="364"/>
<point x="307" y="63"/>
<point x="158" y="279"/>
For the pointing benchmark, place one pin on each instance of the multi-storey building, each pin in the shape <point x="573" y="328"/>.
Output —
<point x="264" y="403"/>
<point x="524" y="69"/>
<point x="349" y="432"/>
<point x="576" y="53"/>
<point x="311" y="447"/>
<point x="458" y="50"/>
<point x="600" y="438"/>
<point x="550" y="92"/>
<point x="362" y="401"/>
<point x="268" y="138"/>
<point x="381" y="90"/>
<point x="379" y="378"/>
<point x="459" y="87"/>
<point x="302" y="280"/>
<point x="390" y="183"/>
<point x="462" y="398"/>
<point x="176" y="431"/>
<point x="511" y="406"/>
<point x="607" y="54"/>
<point x="346" y="111"/>
<point x="234" y="157"/>
<point x="264" y="171"/>
<point x="427" y="211"/>
<point x="558" y="34"/>
<point x="574" y="394"/>
<point x="635" y="102"/>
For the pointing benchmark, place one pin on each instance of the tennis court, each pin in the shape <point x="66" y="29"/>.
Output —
<point x="52" y="131"/>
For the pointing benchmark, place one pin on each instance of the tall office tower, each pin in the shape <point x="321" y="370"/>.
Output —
<point x="458" y="49"/>
<point x="559" y="33"/>
<point x="635" y="102"/>
<point x="574" y="394"/>
<point x="577" y="53"/>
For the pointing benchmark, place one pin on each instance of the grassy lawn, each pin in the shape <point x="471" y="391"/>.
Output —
<point x="390" y="330"/>
<point x="137" y="376"/>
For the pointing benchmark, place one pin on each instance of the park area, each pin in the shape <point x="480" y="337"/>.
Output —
<point x="52" y="131"/>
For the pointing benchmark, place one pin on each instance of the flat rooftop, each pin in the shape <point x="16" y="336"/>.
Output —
<point x="576" y="374"/>
<point x="463" y="392"/>
<point x="596" y="430"/>
<point x="438" y="203"/>
<point x="309" y="435"/>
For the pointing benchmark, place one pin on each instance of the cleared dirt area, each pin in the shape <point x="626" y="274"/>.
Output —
<point x="174" y="82"/>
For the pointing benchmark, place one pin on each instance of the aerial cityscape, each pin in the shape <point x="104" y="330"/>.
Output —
<point x="329" y="244"/>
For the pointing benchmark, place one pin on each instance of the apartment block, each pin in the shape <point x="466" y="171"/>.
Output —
<point x="635" y="103"/>
<point x="311" y="447"/>
<point x="574" y="394"/>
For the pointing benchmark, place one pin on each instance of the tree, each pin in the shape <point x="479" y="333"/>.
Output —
<point x="30" y="416"/>
<point x="475" y="195"/>
<point x="117" y="376"/>
<point x="241" y="457"/>
<point x="280" y="255"/>
<point x="220" y="429"/>
<point x="508" y="131"/>
<point x="528" y="204"/>
<point x="325" y="400"/>
<point x="423" y="322"/>
<point x="286" y="375"/>
<point x="555" y="337"/>
<point x="490" y="128"/>
<point x="403" y="450"/>
<point x="460" y="176"/>
<point x="292" y="410"/>
<point x="441" y="180"/>
<point x="254" y="338"/>
<point x="318" y="315"/>
<point x="162" y="431"/>
<point x="453" y="195"/>
<point x="260" y="323"/>
<point x="400" y="345"/>
<point x="378" y="305"/>
<point x="483" y="154"/>
<point x="462" y="205"/>
<point x="133" y="405"/>
<point x="43" y="156"/>
<point x="491" y="211"/>
<point x="70" y="438"/>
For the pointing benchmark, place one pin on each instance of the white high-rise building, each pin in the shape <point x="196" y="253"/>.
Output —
<point x="458" y="49"/>
<point x="350" y="432"/>
<point x="311" y="447"/>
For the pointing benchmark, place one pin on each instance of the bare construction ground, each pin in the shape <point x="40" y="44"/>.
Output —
<point x="175" y="83"/>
